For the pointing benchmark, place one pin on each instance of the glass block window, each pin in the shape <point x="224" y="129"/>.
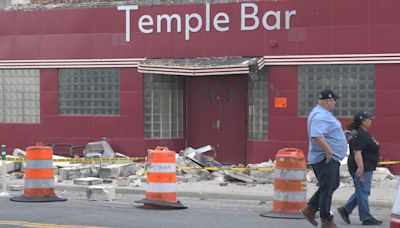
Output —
<point x="19" y="96"/>
<point x="163" y="106"/>
<point x="355" y="84"/>
<point x="258" y="106"/>
<point x="93" y="91"/>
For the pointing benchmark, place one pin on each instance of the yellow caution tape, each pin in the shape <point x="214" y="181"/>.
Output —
<point x="388" y="163"/>
<point x="84" y="160"/>
<point x="227" y="168"/>
<point x="91" y="160"/>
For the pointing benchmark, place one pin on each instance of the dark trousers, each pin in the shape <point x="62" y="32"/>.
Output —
<point x="329" y="179"/>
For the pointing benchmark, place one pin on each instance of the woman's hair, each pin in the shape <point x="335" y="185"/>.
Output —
<point x="353" y="125"/>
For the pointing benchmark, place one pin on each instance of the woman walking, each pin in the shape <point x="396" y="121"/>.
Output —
<point x="363" y="159"/>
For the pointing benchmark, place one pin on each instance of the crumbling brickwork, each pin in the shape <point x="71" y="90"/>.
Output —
<point x="48" y="4"/>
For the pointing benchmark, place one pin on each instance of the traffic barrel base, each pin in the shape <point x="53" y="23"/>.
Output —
<point x="153" y="204"/>
<point x="272" y="214"/>
<point x="36" y="199"/>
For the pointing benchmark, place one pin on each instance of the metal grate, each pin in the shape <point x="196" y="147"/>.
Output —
<point x="88" y="91"/>
<point x="355" y="84"/>
<point x="258" y="106"/>
<point x="163" y="106"/>
<point x="20" y="96"/>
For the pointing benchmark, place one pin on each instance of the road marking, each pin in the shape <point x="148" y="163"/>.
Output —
<point x="42" y="225"/>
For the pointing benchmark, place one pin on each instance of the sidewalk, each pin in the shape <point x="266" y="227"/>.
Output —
<point x="382" y="195"/>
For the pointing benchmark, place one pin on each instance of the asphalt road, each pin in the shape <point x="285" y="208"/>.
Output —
<point x="210" y="213"/>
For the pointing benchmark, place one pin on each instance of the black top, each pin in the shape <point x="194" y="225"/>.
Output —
<point x="369" y="147"/>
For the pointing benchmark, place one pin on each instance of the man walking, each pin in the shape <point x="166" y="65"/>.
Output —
<point x="327" y="146"/>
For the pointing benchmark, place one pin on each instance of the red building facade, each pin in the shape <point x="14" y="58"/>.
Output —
<point x="207" y="51"/>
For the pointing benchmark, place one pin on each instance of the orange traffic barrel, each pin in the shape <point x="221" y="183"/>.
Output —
<point x="39" y="176"/>
<point x="161" y="180"/>
<point x="290" y="185"/>
<point x="395" y="216"/>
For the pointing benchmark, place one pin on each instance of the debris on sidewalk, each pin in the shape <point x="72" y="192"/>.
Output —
<point x="103" y="178"/>
<point x="99" y="149"/>
<point x="88" y="181"/>
<point x="100" y="193"/>
<point x="11" y="166"/>
<point x="123" y="181"/>
<point x="198" y="157"/>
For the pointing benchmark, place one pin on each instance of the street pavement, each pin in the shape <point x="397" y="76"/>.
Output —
<point x="78" y="212"/>
<point x="236" y="205"/>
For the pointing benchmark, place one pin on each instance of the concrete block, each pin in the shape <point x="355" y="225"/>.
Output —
<point x="123" y="181"/>
<point x="181" y="161"/>
<point x="126" y="170"/>
<point x="136" y="182"/>
<point x="381" y="173"/>
<point x="85" y="171"/>
<point x="143" y="179"/>
<point x="69" y="173"/>
<point x="57" y="178"/>
<point x="239" y="176"/>
<point x="15" y="187"/>
<point x="101" y="193"/>
<point x="10" y="166"/>
<point x="115" y="170"/>
<point x="182" y="179"/>
<point x="88" y="181"/>
<point x="107" y="181"/>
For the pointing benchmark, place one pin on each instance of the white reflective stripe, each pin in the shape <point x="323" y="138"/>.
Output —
<point x="396" y="205"/>
<point x="39" y="183"/>
<point x="290" y="196"/>
<point x="156" y="187"/>
<point x="162" y="167"/>
<point x="290" y="174"/>
<point x="39" y="164"/>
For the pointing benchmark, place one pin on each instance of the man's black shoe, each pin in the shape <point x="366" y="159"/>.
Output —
<point x="371" y="222"/>
<point x="343" y="213"/>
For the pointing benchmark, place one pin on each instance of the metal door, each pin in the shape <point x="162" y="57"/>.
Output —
<point x="216" y="115"/>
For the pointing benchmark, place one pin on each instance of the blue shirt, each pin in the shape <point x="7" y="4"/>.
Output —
<point x="321" y="123"/>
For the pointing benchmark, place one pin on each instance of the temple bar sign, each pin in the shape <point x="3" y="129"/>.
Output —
<point x="194" y="22"/>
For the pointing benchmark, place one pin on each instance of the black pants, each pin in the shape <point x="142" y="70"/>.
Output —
<point x="329" y="179"/>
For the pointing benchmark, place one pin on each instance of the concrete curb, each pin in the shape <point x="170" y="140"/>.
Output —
<point x="209" y="195"/>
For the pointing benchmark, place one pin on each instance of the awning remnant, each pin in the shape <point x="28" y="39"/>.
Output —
<point x="202" y="66"/>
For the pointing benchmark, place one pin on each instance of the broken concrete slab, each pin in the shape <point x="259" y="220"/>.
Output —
<point x="15" y="187"/>
<point x="136" y="182"/>
<point x="382" y="173"/>
<point x="107" y="181"/>
<point x="123" y="181"/>
<point x="10" y="165"/>
<point x="206" y="161"/>
<point x="239" y="176"/>
<point x="264" y="176"/>
<point x="115" y="170"/>
<point x="99" y="149"/>
<point x="182" y="179"/>
<point x="88" y="181"/>
<point x="101" y="193"/>
<point x="70" y="173"/>
<point x="62" y="164"/>
<point x="18" y="153"/>
<point x="184" y="162"/>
